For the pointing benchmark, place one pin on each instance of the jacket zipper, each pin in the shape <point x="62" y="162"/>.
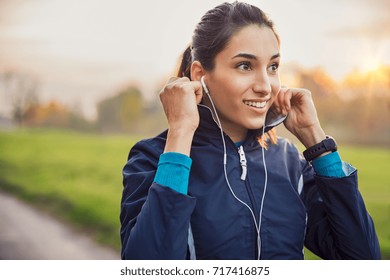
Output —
<point x="242" y="162"/>
<point x="244" y="167"/>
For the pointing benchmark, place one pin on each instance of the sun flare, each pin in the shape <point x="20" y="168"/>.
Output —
<point x="371" y="64"/>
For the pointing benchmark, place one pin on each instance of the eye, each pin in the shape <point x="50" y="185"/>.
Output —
<point x="244" y="66"/>
<point x="273" y="67"/>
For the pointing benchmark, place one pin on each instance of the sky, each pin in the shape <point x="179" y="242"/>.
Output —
<point x="82" y="51"/>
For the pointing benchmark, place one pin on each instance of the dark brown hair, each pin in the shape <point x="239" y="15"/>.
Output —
<point x="215" y="30"/>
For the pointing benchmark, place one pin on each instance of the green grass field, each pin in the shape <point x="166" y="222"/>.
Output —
<point x="77" y="177"/>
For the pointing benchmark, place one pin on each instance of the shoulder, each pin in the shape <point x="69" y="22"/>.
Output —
<point x="150" y="145"/>
<point x="288" y="152"/>
<point x="285" y="145"/>
<point x="147" y="151"/>
<point x="294" y="157"/>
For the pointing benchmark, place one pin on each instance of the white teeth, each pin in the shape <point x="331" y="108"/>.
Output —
<point x="256" y="104"/>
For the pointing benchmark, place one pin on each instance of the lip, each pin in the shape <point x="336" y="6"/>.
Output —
<point x="256" y="100"/>
<point x="256" y="104"/>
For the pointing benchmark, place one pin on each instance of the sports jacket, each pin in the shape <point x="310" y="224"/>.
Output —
<point x="297" y="209"/>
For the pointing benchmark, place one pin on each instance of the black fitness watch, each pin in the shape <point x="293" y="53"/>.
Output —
<point x="326" y="145"/>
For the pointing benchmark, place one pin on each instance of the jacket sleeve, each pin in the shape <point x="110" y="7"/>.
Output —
<point x="154" y="218"/>
<point x="338" y="226"/>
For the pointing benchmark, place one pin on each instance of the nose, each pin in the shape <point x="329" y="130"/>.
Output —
<point x="261" y="84"/>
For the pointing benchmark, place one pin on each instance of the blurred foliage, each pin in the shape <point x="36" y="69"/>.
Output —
<point x="122" y="112"/>
<point x="128" y="112"/>
<point x="21" y="90"/>
<point x="54" y="114"/>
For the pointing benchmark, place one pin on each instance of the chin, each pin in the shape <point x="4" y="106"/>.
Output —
<point x="256" y="124"/>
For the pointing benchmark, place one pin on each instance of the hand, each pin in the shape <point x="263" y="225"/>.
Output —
<point x="179" y="98"/>
<point x="302" y="120"/>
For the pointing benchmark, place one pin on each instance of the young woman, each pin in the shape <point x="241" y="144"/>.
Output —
<point x="213" y="186"/>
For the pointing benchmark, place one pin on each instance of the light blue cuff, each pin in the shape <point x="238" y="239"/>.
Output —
<point x="329" y="165"/>
<point x="173" y="171"/>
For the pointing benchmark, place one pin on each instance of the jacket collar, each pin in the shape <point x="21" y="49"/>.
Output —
<point x="207" y="122"/>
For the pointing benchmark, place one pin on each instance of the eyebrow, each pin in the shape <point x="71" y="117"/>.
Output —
<point x="251" y="56"/>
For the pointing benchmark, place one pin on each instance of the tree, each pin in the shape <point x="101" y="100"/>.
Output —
<point x="325" y="94"/>
<point x="122" y="112"/>
<point x="21" y="92"/>
<point x="368" y="113"/>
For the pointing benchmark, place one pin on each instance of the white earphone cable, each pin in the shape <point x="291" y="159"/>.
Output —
<point x="264" y="191"/>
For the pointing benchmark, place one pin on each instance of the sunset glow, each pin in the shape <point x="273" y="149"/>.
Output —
<point x="371" y="62"/>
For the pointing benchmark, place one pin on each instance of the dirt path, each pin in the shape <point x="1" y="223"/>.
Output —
<point x="26" y="233"/>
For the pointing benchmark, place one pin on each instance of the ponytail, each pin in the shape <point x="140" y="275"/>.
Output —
<point x="185" y="65"/>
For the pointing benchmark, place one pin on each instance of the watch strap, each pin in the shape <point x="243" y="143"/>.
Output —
<point x="326" y="145"/>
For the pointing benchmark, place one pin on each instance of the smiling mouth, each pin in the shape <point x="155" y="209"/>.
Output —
<point x="256" y="104"/>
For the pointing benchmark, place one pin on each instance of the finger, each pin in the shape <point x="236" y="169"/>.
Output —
<point x="280" y="101"/>
<point x="198" y="90"/>
<point x="172" y="80"/>
<point x="287" y="99"/>
<point x="284" y="101"/>
<point x="168" y="85"/>
<point x="197" y="86"/>
<point x="276" y="103"/>
<point x="176" y="81"/>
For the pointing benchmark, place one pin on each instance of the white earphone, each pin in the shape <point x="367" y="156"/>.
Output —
<point x="257" y="225"/>
<point x="204" y="85"/>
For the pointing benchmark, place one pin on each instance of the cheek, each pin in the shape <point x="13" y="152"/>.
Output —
<point x="275" y="85"/>
<point x="229" y="92"/>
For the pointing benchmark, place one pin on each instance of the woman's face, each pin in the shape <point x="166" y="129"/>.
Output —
<point x="245" y="80"/>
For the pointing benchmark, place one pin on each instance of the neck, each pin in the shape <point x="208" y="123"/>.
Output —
<point x="237" y="134"/>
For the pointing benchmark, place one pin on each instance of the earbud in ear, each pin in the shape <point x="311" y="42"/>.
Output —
<point x="204" y="85"/>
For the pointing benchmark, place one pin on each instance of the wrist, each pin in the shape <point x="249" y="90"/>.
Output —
<point x="311" y="136"/>
<point x="326" y="146"/>
<point x="179" y="141"/>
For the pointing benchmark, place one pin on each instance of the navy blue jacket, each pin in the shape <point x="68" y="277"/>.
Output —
<point x="325" y="214"/>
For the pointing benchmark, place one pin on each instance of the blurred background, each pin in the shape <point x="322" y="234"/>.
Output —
<point x="79" y="83"/>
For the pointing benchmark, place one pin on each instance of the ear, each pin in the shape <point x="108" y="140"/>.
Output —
<point x="197" y="71"/>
